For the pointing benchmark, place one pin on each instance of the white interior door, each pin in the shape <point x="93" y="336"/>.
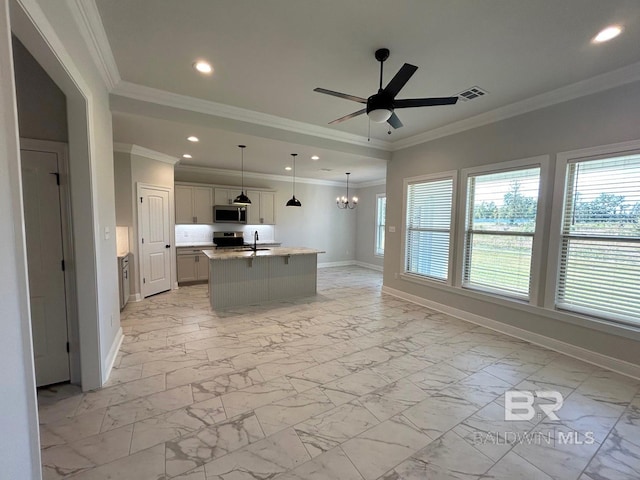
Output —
<point x="155" y="239"/>
<point x="43" y="227"/>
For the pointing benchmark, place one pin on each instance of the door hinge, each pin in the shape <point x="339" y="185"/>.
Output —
<point x="57" y="177"/>
<point x="144" y="280"/>
<point x="143" y="240"/>
<point x="63" y="265"/>
<point x="67" y="347"/>
<point x="140" y="199"/>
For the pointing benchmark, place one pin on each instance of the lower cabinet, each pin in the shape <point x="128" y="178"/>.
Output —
<point x="192" y="267"/>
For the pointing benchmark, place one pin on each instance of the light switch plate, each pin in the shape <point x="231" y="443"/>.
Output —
<point x="107" y="233"/>
<point x="392" y="229"/>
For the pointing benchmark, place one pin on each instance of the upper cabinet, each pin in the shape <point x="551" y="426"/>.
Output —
<point x="262" y="208"/>
<point x="193" y="204"/>
<point x="225" y="196"/>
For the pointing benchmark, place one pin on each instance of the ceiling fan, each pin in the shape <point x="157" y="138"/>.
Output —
<point x="380" y="106"/>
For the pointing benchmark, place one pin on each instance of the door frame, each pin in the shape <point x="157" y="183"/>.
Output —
<point x="173" y="283"/>
<point x="73" y="328"/>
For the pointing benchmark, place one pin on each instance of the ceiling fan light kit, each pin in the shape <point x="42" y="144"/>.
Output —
<point x="242" y="199"/>
<point x="381" y="106"/>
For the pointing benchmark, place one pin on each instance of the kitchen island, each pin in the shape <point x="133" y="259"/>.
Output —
<point x="248" y="277"/>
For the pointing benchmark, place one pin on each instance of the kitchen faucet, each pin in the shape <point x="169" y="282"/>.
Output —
<point x="255" y="241"/>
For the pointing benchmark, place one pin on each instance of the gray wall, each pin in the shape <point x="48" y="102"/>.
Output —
<point x="366" y="229"/>
<point x="317" y="224"/>
<point x="607" y="117"/>
<point x="42" y="106"/>
<point x="129" y="170"/>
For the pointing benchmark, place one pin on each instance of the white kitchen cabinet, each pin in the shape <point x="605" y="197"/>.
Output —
<point x="225" y="196"/>
<point x="193" y="204"/>
<point x="193" y="265"/>
<point x="262" y="208"/>
<point x="187" y="268"/>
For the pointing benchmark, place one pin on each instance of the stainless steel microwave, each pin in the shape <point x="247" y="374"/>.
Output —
<point x="229" y="214"/>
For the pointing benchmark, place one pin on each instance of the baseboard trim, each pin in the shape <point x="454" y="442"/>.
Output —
<point x="111" y="357"/>
<point x="619" y="366"/>
<point x="343" y="263"/>
<point x="370" y="266"/>
<point x="135" y="297"/>
<point x="348" y="263"/>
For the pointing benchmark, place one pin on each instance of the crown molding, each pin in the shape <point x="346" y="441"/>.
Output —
<point x="372" y="183"/>
<point x="262" y="176"/>
<point x="589" y="86"/>
<point x="184" y="102"/>
<point x="87" y="17"/>
<point x="279" y="178"/>
<point x="144" y="152"/>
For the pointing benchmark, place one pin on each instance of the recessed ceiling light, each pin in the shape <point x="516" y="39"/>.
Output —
<point x="315" y="157"/>
<point x="186" y="155"/>
<point x="607" y="34"/>
<point x="203" y="67"/>
<point x="287" y="168"/>
<point x="193" y="139"/>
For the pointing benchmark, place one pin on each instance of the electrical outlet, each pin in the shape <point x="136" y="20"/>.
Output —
<point x="392" y="229"/>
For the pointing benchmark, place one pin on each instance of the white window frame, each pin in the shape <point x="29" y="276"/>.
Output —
<point x="448" y="175"/>
<point x="541" y="161"/>
<point x="376" y="249"/>
<point x="555" y="241"/>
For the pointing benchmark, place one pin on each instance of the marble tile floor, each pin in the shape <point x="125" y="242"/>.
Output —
<point x="349" y="384"/>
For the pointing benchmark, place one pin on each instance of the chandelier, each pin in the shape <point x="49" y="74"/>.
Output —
<point x="343" y="202"/>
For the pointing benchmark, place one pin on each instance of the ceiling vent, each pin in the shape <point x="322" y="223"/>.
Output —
<point x="471" y="93"/>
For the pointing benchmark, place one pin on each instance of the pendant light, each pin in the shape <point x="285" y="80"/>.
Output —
<point x="242" y="199"/>
<point x="294" y="202"/>
<point x="343" y="202"/>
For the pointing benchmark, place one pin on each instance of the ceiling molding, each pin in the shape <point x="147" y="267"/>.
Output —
<point x="184" y="102"/>
<point x="87" y="17"/>
<point x="372" y="183"/>
<point x="268" y="176"/>
<point x="599" y="83"/>
<point x="144" y="152"/>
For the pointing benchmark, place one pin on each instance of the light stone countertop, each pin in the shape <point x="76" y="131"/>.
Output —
<point x="266" y="252"/>
<point x="211" y="245"/>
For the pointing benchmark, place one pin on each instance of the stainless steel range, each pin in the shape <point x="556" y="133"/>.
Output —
<point x="228" y="239"/>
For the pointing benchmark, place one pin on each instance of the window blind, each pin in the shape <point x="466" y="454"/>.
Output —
<point x="599" y="271"/>
<point x="500" y="225"/>
<point x="428" y="231"/>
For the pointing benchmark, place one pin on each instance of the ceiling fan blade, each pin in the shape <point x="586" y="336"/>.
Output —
<point x="401" y="78"/>
<point x="340" y="95"/>
<point x="347" y="117"/>
<point x="424" y="102"/>
<point x="394" y="121"/>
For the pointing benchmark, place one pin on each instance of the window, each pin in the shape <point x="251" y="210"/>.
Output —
<point x="499" y="230"/>
<point x="381" y="209"/>
<point x="428" y="227"/>
<point x="599" y="271"/>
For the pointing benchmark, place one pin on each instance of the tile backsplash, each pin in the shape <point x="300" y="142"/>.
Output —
<point x="186" y="234"/>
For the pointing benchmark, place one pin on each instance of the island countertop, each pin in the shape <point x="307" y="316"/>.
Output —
<point x="261" y="252"/>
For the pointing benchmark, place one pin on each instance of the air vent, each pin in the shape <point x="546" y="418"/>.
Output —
<point x="471" y="93"/>
<point x="326" y="169"/>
